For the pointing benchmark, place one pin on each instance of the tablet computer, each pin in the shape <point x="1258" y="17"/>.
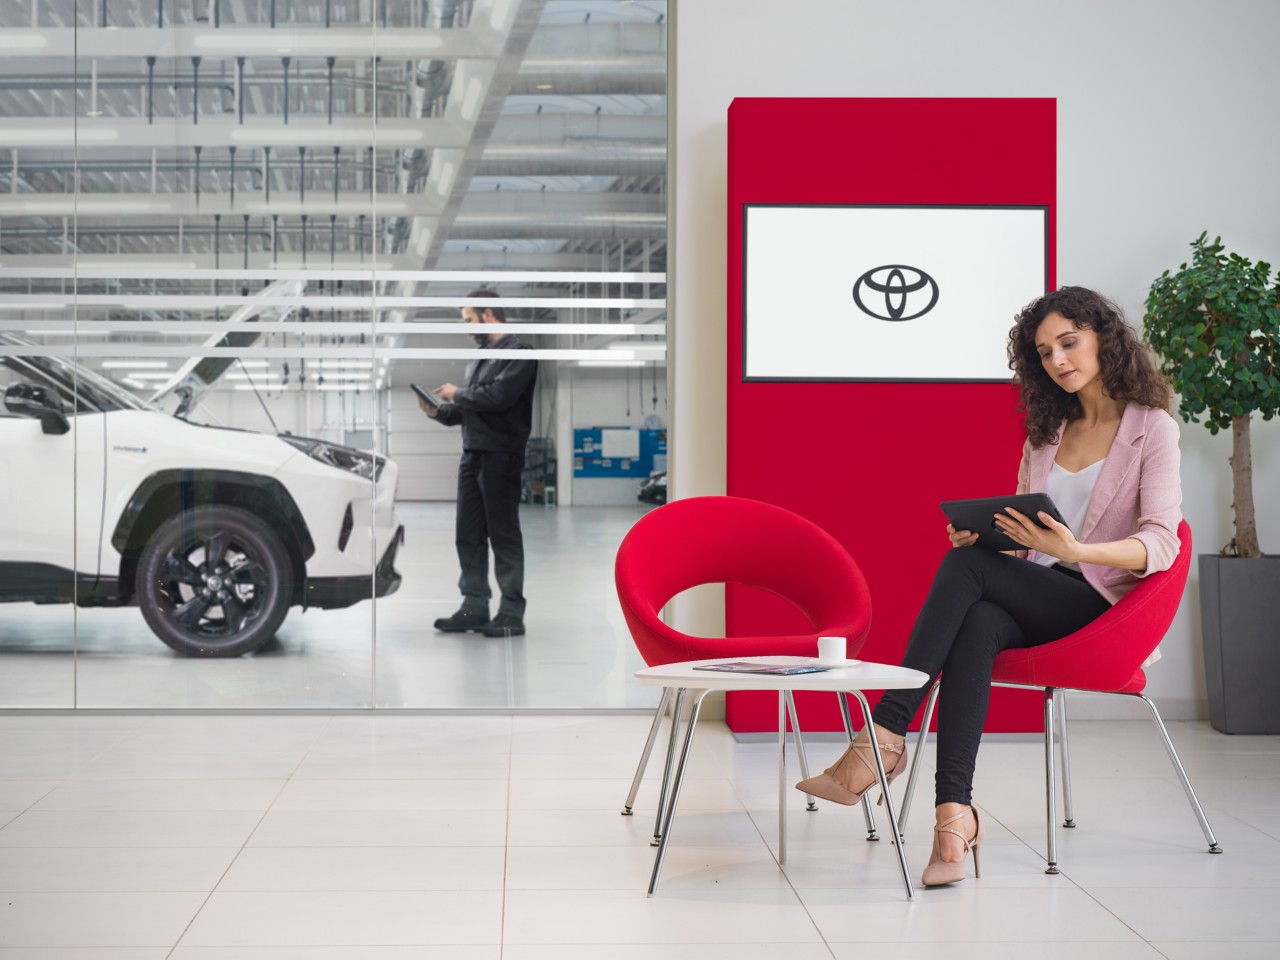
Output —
<point x="426" y="396"/>
<point x="979" y="516"/>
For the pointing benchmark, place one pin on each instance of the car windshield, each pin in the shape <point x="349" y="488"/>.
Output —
<point x="80" y="388"/>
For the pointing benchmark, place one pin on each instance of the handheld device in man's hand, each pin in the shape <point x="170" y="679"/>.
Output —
<point x="978" y="516"/>
<point x="426" y="396"/>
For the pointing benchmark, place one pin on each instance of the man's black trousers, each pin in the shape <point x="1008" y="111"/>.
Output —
<point x="489" y="515"/>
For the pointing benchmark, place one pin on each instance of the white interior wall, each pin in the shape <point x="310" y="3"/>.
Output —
<point x="611" y="398"/>
<point x="426" y="452"/>
<point x="1166" y="127"/>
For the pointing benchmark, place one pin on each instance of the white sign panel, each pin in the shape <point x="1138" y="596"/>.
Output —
<point x="621" y="444"/>
<point x="887" y="292"/>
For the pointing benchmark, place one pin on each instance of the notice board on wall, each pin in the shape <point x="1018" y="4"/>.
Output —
<point x="866" y="374"/>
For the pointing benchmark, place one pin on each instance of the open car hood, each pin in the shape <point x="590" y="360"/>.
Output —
<point x="196" y="376"/>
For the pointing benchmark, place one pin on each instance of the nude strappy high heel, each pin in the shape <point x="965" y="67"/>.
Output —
<point x="825" y="786"/>
<point x="940" y="871"/>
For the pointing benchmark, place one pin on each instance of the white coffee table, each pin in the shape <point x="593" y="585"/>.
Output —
<point x="683" y="677"/>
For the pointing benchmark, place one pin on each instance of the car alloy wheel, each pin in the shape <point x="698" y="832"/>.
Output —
<point x="215" y="582"/>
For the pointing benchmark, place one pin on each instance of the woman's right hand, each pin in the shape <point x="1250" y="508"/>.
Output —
<point x="961" y="538"/>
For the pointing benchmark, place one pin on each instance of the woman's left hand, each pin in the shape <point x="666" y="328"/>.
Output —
<point x="1056" y="541"/>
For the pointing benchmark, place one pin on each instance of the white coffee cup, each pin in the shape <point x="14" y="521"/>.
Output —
<point x="832" y="650"/>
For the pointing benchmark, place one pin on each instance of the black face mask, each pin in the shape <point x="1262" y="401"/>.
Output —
<point x="480" y="339"/>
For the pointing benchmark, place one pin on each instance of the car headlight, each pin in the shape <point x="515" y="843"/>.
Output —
<point x="344" y="458"/>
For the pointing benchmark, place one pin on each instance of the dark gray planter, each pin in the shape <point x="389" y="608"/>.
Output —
<point x="1240" y="619"/>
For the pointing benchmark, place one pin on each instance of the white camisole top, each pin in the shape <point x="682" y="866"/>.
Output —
<point x="1071" y="492"/>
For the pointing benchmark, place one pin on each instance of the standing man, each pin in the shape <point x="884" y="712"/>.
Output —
<point x="495" y="411"/>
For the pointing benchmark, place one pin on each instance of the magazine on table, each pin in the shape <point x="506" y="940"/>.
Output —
<point x="772" y="669"/>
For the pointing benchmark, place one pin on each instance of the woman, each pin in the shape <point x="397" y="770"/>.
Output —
<point x="1102" y="444"/>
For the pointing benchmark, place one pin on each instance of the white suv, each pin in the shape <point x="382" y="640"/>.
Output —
<point x="213" y="532"/>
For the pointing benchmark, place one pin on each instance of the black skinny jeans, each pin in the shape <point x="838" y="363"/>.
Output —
<point x="981" y="602"/>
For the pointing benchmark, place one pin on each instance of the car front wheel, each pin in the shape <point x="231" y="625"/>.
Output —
<point x="214" y="582"/>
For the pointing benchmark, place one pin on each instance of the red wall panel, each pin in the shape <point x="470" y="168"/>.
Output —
<point x="869" y="462"/>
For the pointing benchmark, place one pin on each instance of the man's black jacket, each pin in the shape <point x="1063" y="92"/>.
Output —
<point x="495" y="408"/>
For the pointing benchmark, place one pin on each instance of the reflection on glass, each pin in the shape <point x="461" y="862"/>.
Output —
<point x="239" y="232"/>
<point x="235" y="500"/>
<point x="41" y="426"/>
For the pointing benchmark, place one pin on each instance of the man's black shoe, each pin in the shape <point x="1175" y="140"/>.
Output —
<point x="504" y="625"/>
<point x="462" y="621"/>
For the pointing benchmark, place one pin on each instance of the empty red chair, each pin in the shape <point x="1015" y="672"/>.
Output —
<point x="1104" y="657"/>
<point x="703" y="540"/>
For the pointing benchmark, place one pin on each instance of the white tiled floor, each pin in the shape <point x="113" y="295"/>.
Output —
<point x="477" y="838"/>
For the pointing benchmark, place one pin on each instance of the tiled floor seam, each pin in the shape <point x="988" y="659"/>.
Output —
<point x="283" y="785"/>
<point x="506" y="840"/>
<point x="1128" y="926"/>
<point x="142" y="722"/>
<point x="786" y="876"/>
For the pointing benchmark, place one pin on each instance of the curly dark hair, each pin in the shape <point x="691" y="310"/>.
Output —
<point x="1127" y="365"/>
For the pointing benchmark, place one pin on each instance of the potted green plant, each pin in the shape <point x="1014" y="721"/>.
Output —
<point x="1215" y="324"/>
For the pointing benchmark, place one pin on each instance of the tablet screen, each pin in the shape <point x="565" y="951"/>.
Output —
<point x="978" y="515"/>
<point x="429" y="398"/>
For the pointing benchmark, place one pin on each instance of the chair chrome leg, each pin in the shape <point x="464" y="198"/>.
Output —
<point x="1182" y="775"/>
<point x="675" y="786"/>
<point x="888" y="798"/>
<point x="1051" y="819"/>
<point x="648" y="749"/>
<point x="922" y="738"/>
<point x="676" y="711"/>
<point x="811" y="804"/>
<point x="868" y="815"/>
<point x="1064" y="754"/>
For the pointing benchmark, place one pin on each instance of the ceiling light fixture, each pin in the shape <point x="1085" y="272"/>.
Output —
<point x="471" y="98"/>
<point x="445" y="183"/>
<point x="18" y="41"/>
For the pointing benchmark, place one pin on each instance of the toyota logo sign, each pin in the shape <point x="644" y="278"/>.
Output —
<point x="886" y="292"/>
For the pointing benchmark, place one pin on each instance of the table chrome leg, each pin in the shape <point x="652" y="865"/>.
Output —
<point x="675" y="787"/>
<point x="648" y="750"/>
<point x="868" y="815"/>
<point x="676" y="711"/>
<point x="812" y="805"/>
<point x="913" y="775"/>
<point x="888" y="798"/>
<point x="782" y="776"/>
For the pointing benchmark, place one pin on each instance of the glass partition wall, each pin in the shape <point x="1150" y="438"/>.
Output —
<point x="231" y="236"/>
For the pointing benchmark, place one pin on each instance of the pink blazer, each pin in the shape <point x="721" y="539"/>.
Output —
<point x="1138" y="494"/>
